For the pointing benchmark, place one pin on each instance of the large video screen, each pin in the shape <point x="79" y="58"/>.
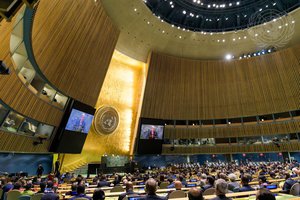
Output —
<point x="79" y="121"/>
<point x="151" y="132"/>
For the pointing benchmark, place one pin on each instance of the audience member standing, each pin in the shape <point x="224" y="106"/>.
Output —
<point x="40" y="170"/>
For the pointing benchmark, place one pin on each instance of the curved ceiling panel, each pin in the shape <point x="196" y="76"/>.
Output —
<point x="218" y="15"/>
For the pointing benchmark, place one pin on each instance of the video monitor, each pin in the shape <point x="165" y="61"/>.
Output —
<point x="29" y="126"/>
<point x="12" y="122"/>
<point x="151" y="132"/>
<point x="44" y="131"/>
<point x="79" y="121"/>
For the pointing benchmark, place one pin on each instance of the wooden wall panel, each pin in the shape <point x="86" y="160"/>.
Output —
<point x="73" y="42"/>
<point x="227" y="149"/>
<point x="17" y="143"/>
<point x="180" y="88"/>
<point x="184" y="132"/>
<point x="15" y="94"/>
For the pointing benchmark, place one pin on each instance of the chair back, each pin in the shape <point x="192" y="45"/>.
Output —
<point x="13" y="195"/>
<point x="177" y="194"/>
<point x="295" y="189"/>
<point x="117" y="188"/>
<point x="37" y="196"/>
<point x="163" y="185"/>
<point x="209" y="191"/>
<point x="24" y="197"/>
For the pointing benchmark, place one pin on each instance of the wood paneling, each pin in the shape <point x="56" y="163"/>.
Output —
<point x="19" y="98"/>
<point x="184" y="132"/>
<point x="227" y="149"/>
<point x="180" y="88"/>
<point x="73" y="42"/>
<point x="15" y="94"/>
<point x="17" y="143"/>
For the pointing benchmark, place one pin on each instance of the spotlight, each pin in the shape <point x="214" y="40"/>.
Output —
<point x="4" y="70"/>
<point x="228" y="57"/>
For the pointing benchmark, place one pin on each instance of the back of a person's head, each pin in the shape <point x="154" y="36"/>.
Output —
<point x="262" y="178"/>
<point x="129" y="185"/>
<point x="177" y="185"/>
<point x="49" y="184"/>
<point x="80" y="189"/>
<point x="210" y="180"/>
<point x="28" y="186"/>
<point x="17" y="186"/>
<point x="287" y="175"/>
<point x="98" y="195"/>
<point x="195" y="194"/>
<point x="150" y="186"/>
<point x="42" y="186"/>
<point x="232" y="177"/>
<point x="221" y="187"/>
<point x="264" y="194"/>
<point x="245" y="180"/>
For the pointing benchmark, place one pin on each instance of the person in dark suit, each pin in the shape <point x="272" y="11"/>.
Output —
<point x="209" y="183"/>
<point x="40" y="170"/>
<point x="129" y="191"/>
<point x="221" y="190"/>
<point x="288" y="183"/>
<point x="56" y="167"/>
<point x="81" y="193"/>
<point x="50" y="193"/>
<point x="195" y="194"/>
<point x="245" y="184"/>
<point x="98" y="195"/>
<point x="103" y="182"/>
<point x="150" y="189"/>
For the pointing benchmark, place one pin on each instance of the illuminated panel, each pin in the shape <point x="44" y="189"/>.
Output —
<point x="122" y="89"/>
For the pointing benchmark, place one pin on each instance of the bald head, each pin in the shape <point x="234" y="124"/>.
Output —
<point x="151" y="186"/>
<point x="195" y="194"/>
<point x="177" y="185"/>
<point x="129" y="185"/>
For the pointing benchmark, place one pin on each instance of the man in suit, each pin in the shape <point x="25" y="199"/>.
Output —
<point x="195" y="194"/>
<point x="129" y="191"/>
<point x="81" y="193"/>
<point x="245" y="184"/>
<point x="103" y="182"/>
<point x="221" y="190"/>
<point x="209" y="183"/>
<point x="288" y="183"/>
<point x="150" y="188"/>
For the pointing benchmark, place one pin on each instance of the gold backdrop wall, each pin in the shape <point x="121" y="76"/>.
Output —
<point x="122" y="89"/>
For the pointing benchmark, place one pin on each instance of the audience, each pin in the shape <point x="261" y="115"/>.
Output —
<point x="233" y="185"/>
<point x="288" y="183"/>
<point x="98" y="195"/>
<point x="245" y="184"/>
<point x="195" y="194"/>
<point x="129" y="190"/>
<point x="229" y="177"/>
<point x="150" y="189"/>
<point x="221" y="190"/>
<point x="264" y="194"/>
<point x="209" y="183"/>
<point x="80" y="193"/>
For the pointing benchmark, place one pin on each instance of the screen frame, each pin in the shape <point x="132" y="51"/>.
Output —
<point x="163" y="131"/>
<point x="74" y="109"/>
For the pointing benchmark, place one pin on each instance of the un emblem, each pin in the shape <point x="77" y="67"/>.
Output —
<point x="106" y="120"/>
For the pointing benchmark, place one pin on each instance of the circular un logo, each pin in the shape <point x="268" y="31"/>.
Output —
<point x="106" y="120"/>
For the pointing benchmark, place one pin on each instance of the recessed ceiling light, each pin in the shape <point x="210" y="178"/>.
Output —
<point x="228" y="57"/>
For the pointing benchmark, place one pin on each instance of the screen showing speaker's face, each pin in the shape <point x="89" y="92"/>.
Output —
<point x="151" y="132"/>
<point x="79" y="121"/>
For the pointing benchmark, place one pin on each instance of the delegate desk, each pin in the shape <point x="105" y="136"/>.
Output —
<point x="160" y="191"/>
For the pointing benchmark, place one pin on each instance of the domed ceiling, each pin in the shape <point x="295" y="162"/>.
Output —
<point x="252" y="25"/>
<point x="218" y="15"/>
